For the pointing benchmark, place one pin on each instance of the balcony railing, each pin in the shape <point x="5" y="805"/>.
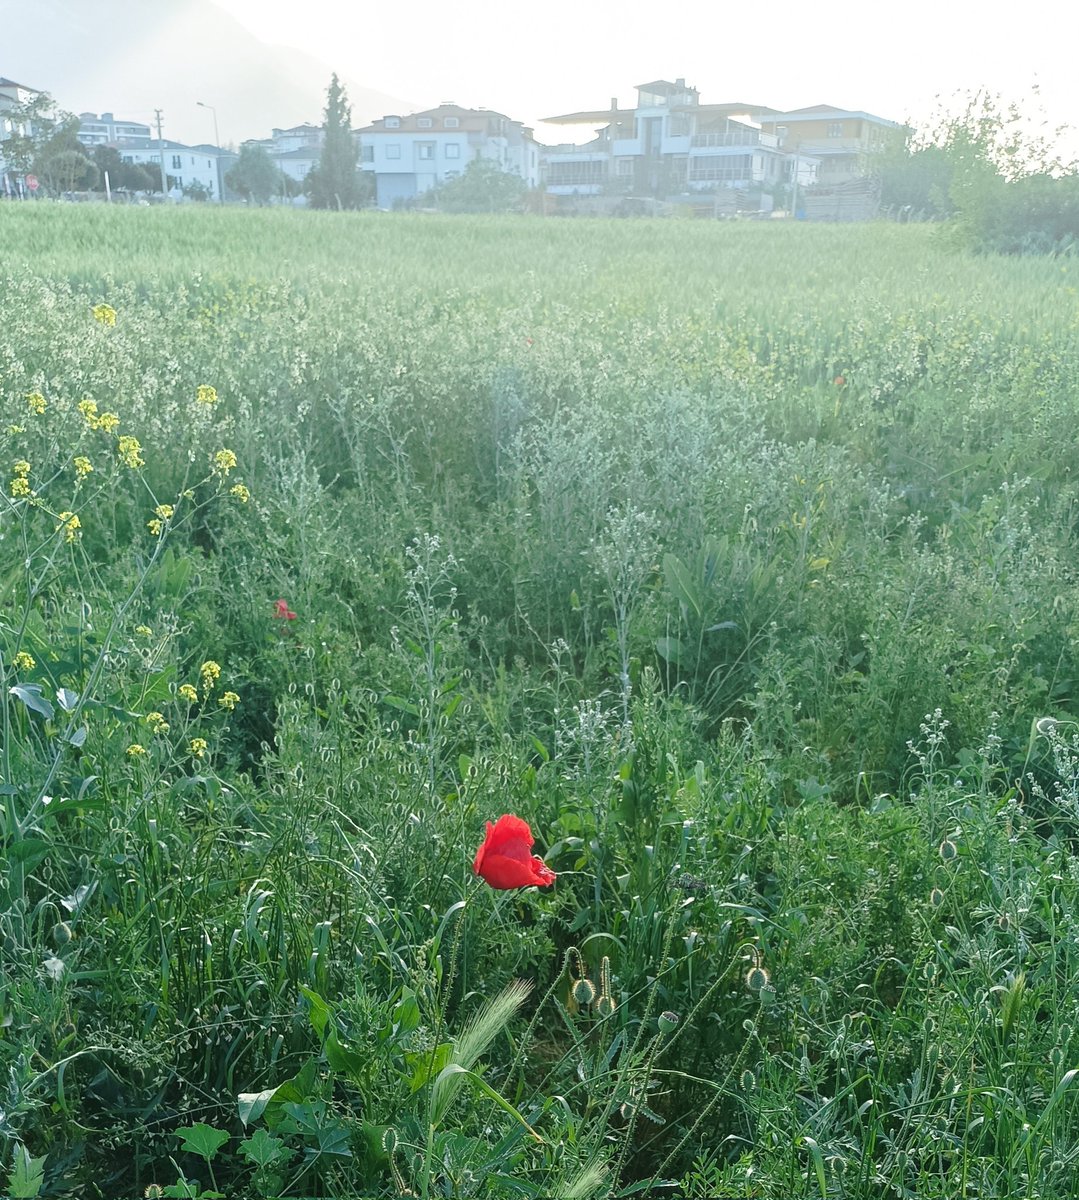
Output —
<point x="748" y="137"/>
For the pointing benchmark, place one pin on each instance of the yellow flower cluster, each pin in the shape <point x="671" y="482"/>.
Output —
<point x="134" y="750"/>
<point x="105" y="314"/>
<point x="188" y="693"/>
<point x="70" y="523"/>
<point x="162" y="513"/>
<point x="240" y="492"/>
<point x="106" y="421"/>
<point x="206" y="395"/>
<point x="83" y="466"/>
<point x="210" y="673"/>
<point x="128" y="449"/>
<point x="20" y="484"/>
<point x="35" y="402"/>
<point x="224" y="461"/>
<point x="157" y="722"/>
<point x="23" y="661"/>
<point x="197" y="746"/>
<point x="229" y="701"/>
<point x="144" y="631"/>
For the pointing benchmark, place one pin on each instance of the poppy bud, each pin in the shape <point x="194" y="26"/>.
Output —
<point x="605" y="1007"/>
<point x="756" y="978"/>
<point x="668" y="1021"/>
<point x="61" y="933"/>
<point x="584" y="992"/>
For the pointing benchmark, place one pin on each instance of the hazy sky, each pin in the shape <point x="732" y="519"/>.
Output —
<point x="534" y="61"/>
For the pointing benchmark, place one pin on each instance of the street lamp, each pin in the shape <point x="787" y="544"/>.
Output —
<point x="217" y="156"/>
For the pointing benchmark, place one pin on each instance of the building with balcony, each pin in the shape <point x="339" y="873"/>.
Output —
<point x="668" y="143"/>
<point x="842" y="141"/>
<point x="411" y="155"/>
<point x="12" y="95"/>
<point x="201" y="166"/>
<point x="107" y="130"/>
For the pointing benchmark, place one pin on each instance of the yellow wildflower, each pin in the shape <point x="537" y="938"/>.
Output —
<point x="23" y="661"/>
<point x="83" y="466"/>
<point x="21" y="467"/>
<point x="134" y="750"/>
<point x="144" y="631"/>
<point x="164" y="513"/>
<point x="240" y="492"/>
<point x="108" y="421"/>
<point x="129" y="450"/>
<point x="70" y="523"/>
<point x="14" y="429"/>
<point x="35" y="401"/>
<point x="188" y="494"/>
<point x="88" y="408"/>
<point x="224" y="461"/>
<point x="156" y="722"/>
<point x="197" y="746"/>
<point x="229" y="700"/>
<point x="155" y="527"/>
<point x="20" y="487"/>
<point x="210" y="673"/>
<point x="105" y="314"/>
<point x="188" y="693"/>
<point x="206" y="395"/>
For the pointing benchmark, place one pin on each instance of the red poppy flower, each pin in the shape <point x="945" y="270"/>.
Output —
<point x="840" y="380"/>
<point x="506" y="860"/>
<point x="282" y="610"/>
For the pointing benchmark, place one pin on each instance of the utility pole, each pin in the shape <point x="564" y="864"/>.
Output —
<point x="217" y="156"/>
<point x="161" y="150"/>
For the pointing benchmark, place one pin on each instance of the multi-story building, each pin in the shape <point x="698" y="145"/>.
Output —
<point x="107" y="130"/>
<point x="411" y="155"/>
<point x="203" y="166"/>
<point x="294" y="150"/>
<point x="668" y="143"/>
<point x="842" y="141"/>
<point x="12" y="95"/>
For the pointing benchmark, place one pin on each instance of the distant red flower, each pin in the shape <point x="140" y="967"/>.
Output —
<point x="840" y="380"/>
<point x="282" y="611"/>
<point x="506" y="860"/>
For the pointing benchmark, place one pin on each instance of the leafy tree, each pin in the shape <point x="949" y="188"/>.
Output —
<point x="130" y="177"/>
<point x="37" y="125"/>
<point x="63" y="169"/>
<point x="334" y="181"/>
<point x="483" y="187"/>
<point x="255" y="176"/>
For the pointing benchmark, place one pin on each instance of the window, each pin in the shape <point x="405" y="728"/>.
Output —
<point x="367" y="154"/>
<point x="393" y="151"/>
<point x="176" y="162"/>
<point x="393" y="122"/>
<point x="835" y="129"/>
<point x="452" y="122"/>
<point x="624" y="166"/>
<point x="577" y="174"/>
<point x="425" y="150"/>
<point x="424" y="122"/>
<point x="453" y="150"/>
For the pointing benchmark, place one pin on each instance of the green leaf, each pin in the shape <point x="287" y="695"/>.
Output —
<point x="402" y="704"/>
<point x="202" y="1139"/>
<point x="425" y="1064"/>
<point x="263" y="1149"/>
<point x="67" y="699"/>
<point x="30" y="695"/>
<point x="455" y="1069"/>
<point x="27" y="1174"/>
<point x="671" y="649"/>
<point x="681" y="584"/>
<point x="252" y="1105"/>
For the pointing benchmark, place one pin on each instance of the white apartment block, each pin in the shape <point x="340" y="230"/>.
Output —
<point x="106" y="130"/>
<point x="184" y="165"/>
<point x="410" y="155"/>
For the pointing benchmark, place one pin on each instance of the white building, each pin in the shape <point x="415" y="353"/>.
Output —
<point x="12" y="95"/>
<point x="410" y="155"/>
<point x="295" y="150"/>
<point x="668" y="143"/>
<point x="202" y="165"/>
<point x="106" y="130"/>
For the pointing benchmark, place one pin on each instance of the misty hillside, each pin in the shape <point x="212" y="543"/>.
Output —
<point x="168" y="55"/>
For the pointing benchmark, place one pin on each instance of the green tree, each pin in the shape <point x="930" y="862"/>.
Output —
<point x="64" y="169"/>
<point x="483" y="187"/>
<point x="130" y="177"/>
<point x="255" y="175"/>
<point x="38" y="127"/>
<point x="334" y="181"/>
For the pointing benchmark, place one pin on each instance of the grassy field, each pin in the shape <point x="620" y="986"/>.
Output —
<point x="739" y="560"/>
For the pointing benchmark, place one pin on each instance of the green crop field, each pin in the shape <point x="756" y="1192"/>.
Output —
<point x="738" y="560"/>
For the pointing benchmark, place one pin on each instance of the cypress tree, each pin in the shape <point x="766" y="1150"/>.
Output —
<point x="334" y="181"/>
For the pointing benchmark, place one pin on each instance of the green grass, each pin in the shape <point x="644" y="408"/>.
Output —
<point x="739" y="559"/>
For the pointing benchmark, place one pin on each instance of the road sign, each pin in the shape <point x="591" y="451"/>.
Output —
<point x="32" y="183"/>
